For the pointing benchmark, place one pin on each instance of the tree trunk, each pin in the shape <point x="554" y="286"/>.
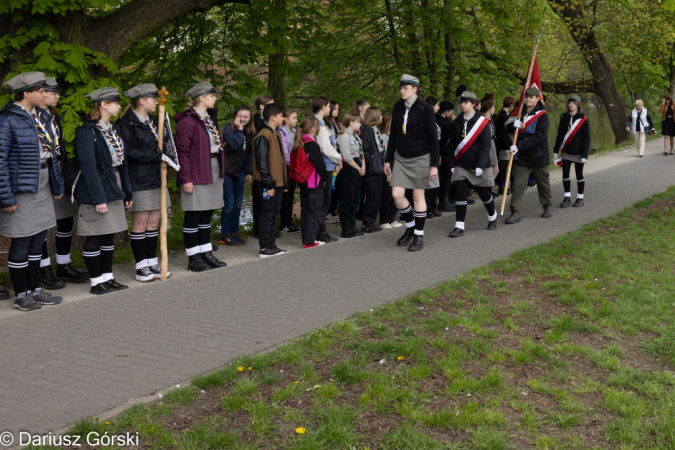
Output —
<point x="275" y="77"/>
<point x="392" y="33"/>
<point x="411" y="30"/>
<point x="451" y="69"/>
<point x="671" y="77"/>
<point x="578" y="23"/>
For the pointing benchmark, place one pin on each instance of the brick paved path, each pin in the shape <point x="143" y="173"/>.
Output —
<point x="83" y="358"/>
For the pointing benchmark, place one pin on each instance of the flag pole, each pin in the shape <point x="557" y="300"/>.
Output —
<point x="520" y="111"/>
<point x="163" y="94"/>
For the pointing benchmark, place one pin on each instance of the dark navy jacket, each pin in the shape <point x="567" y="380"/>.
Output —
<point x="20" y="156"/>
<point x="140" y="147"/>
<point x="478" y="155"/>
<point x="68" y="172"/>
<point x="533" y="141"/>
<point x="580" y="144"/>
<point x="97" y="183"/>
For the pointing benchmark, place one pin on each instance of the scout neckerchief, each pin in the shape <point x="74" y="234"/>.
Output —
<point x="405" y="118"/>
<point x="45" y="140"/>
<point x="211" y="128"/>
<point x="574" y="127"/>
<point x="56" y="133"/>
<point x="115" y="143"/>
<point x="471" y="137"/>
<point x="380" y="141"/>
<point x="531" y="119"/>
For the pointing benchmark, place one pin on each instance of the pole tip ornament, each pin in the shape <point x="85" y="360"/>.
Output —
<point x="163" y="94"/>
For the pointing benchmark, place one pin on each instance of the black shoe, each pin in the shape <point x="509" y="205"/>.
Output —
<point x="327" y="238"/>
<point x="197" y="264"/>
<point x="513" y="218"/>
<point x="4" y="294"/>
<point x="49" y="279"/>
<point x="457" y="232"/>
<point x="45" y="298"/>
<point x="349" y="233"/>
<point x="445" y="206"/>
<point x="277" y="234"/>
<point x="26" y="303"/>
<point x="430" y="215"/>
<point x="270" y="251"/>
<point x="436" y="213"/>
<point x="370" y="229"/>
<point x="212" y="260"/>
<point x="290" y="229"/>
<point x="67" y="273"/>
<point x="229" y="240"/>
<point x="144" y="274"/>
<point x="239" y="239"/>
<point x="417" y="244"/>
<point x="407" y="237"/>
<point x="492" y="225"/>
<point x="545" y="214"/>
<point x="117" y="286"/>
<point x="531" y="182"/>
<point x="470" y="201"/>
<point x="578" y="203"/>
<point x="157" y="271"/>
<point x="566" y="202"/>
<point x="101" y="288"/>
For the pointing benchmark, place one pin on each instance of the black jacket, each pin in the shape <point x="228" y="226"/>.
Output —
<point x="141" y="150"/>
<point x="97" y="183"/>
<point x="446" y="132"/>
<point x="313" y="151"/>
<point x="503" y="140"/>
<point x="580" y="143"/>
<point x="421" y="136"/>
<point x="533" y="141"/>
<point x="478" y="155"/>
<point x="259" y="122"/>
<point x="371" y="152"/>
<point x="65" y="164"/>
<point x="238" y="151"/>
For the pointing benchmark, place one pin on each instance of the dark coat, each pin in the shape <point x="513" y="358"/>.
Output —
<point x="238" y="151"/>
<point x="97" y="183"/>
<point x="446" y="130"/>
<point x="533" y="141"/>
<point x="371" y="152"/>
<point x="66" y="167"/>
<point x="194" y="149"/>
<point x="20" y="157"/>
<point x="141" y="150"/>
<point x="503" y="141"/>
<point x="580" y="143"/>
<point x="478" y="155"/>
<point x="421" y="136"/>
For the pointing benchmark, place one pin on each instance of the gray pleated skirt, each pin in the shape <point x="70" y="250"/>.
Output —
<point x="148" y="200"/>
<point x="573" y="158"/>
<point x="34" y="212"/>
<point x="205" y="197"/>
<point x="413" y="173"/>
<point x="91" y="223"/>
<point x="64" y="208"/>
<point x="486" y="179"/>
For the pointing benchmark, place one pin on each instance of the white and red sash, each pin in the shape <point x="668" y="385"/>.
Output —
<point x="571" y="132"/>
<point x="470" y="138"/>
<point x="529" y="119"/>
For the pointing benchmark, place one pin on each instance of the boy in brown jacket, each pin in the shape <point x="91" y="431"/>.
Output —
<point x="269" y="178"/>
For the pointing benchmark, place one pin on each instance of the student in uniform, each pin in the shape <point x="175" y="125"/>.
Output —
<point x="260" y="102"/>
<point x="359" y="108"/>
<point x="387" y="205"/>
<point x="29" y="180"/>
<point x="199" y="146"/>
<point x="503" y="142"/>
<point x="238" y="136"/>
<point x="413" y="152"/>
<point x="138" y="128"/>
<point x="348" y="182"/>
<point x="374" y="153"/>
<point x="270" y="179"/>
<point x="573" y="143"/>
<point x="64" y="209"/>
<point x="470" y="142"/>
<point x="102" y="188"/>
<point x="333" y="121"/>
<point x="444" y="118"/>
<point x="487" y="110"/>
<point x="287" y="133"/>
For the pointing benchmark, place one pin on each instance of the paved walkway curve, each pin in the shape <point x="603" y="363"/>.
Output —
<point x="84" y="358"/>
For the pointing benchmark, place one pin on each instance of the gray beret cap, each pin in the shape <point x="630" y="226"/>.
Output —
<point x="104" y="93"/>
<point x="142" y="90"/>
<point x="533" y="91"/>
<point x="26" y="80"/>
<point x="468" y="95"/>
<point x="574" y="98"/>
<point x="52" y="85"/>
<point x="408" y="79"/>
<point x="201" y="88"/>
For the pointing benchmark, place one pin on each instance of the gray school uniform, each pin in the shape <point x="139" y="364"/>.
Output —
<point x="486" y="179"/>
<point x="148" y="200"/>
<point x="573" y="158"/>
<point x="206" y="197"/>
<point x="413" y="173"/>
<point x="64" y="207"/>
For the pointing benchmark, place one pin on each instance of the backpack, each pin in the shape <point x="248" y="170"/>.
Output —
<point x="301" y="168"/>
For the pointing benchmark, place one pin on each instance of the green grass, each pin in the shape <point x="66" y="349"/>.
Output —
<point x="576" y="351"/>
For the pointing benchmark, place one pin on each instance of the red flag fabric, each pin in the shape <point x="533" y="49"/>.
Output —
<point x="535" y="81"/>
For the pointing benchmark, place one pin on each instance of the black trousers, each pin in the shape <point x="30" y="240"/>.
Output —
<point x="348" y="188"/>
<point x="287" y="204"/>
<point x="327" y="194"/>
<point x="500" y="180"/>
<point x="255" y="207"/>
<point x="311" y="207"/>
<point x="444" y="177"/>
<point x="372" y="186"/>
<point x="267" y="217"/>
<point x="387" y="205"/>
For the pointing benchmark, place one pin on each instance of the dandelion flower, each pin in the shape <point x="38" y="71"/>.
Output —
<point x="300" y="430"/>
<point x="240" y="369"/>
<point x="400" y="358"/>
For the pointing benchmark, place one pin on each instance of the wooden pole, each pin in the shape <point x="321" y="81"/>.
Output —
<point x="515" y="135"/>
<point x="163" y="94"/>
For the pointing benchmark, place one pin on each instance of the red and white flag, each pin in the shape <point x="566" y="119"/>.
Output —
<point x="535" y="81"/>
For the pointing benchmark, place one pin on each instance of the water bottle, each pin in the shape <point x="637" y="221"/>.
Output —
<point x="265" y="196"/>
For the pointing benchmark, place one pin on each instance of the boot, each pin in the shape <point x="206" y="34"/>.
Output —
<point x="566" y="202"/>
<point x="545" y="214"/>
<point x="68" y="273"/>
<point x="407" y="237"/>
<point x="49" y="280"/>
<point x="417" y="244"/>
<point x="457" y="232"/>
<point x="197" y="264"/>
<point x="212" y="260"/>
<point x="578" y="203"/>
<point x="513" y="218"/>
<point x="492" y="225"/>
